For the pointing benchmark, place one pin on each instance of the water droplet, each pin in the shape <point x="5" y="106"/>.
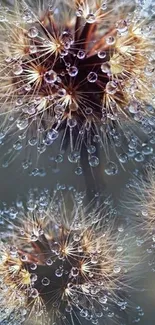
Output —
<point x="94" y="259"/>
<point x="33" y="49"/>
<point x="117" y="269"/>
<point x="51" y="136"/>
<point x="92" y="77"/>
<point x="110" y="40"/>
<point x="88" y="110"/>
<point x="93" y="161"/>
<point x="17" y="69"/>
<point x="34" y="293"/>
<point x="103" y="300"/>
<point x="50" y="77"/>
<point x="73" y="71"/>
<point x="123" y="158"/>
<point x="81" y="54"/>
<point x="33" y="32"/>
<point x="45" y="281"/>
<point x="111" y="168"/>
<point x="22" y="124"/>
<point x="74" y="271"/>
<point x="105" y="67"/>
<point x="111" y="87"/>
<point x="91" y="18"/>
<point x="101" y="54"/>
<point x="59" y="109"/>
<point x="59" y="272"/>
<point x="122" y="26"/>
<point x="74" y="157"/>
<point x="71" y="122"/>
<point x="33" y="266"/>
<point x="78" y="171"/>
<point x="49" y="262"/>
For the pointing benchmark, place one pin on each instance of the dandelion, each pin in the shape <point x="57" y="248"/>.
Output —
<point x="79" y="70"/>
<point x="63" y="265"/>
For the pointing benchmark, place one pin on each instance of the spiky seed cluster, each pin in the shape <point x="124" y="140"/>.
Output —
<point x="142" y="193"/>
<point x="69" y="265"/>
<point x="81" y="67"/>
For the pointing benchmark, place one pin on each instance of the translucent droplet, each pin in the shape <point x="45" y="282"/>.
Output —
<point x="33" y="32"/>
<point x="34" y="293"/>
<point x="94" y="259"/>
<point x="71" y="122"/>
<point x="103" y="300"/>
<point x="33" y="266"/>
<point x="93" y="161"/>
<point x="49" y="262"/>
<point x="110" y="40"/>
<point x="50" y="76"/>
<point x="81" y="54"/>
<point x="45" y="281"/>
<point x="17" y="69"/>
<point x="22" y="124"/>
<point x="78" y="171"/>
<point x="122" y="26"/>
<point x="33" y="49"/>
<point x="92" y="77"/>
<point x="105" y="67"/>
<point x="51" y="136"/>
<point x="88" y="110"/>
<point x="123" y="158"/>
<point x="61" y="92"/>
<point x="74" y="271"/>
<point x="74" y="157"/>
<point x="73" y="71"/>
<point x="117" y="269"/>
<point x="111" y="168"/>
<point x="111" y="87"/>
<point x="101" y="54"/>
<point x="59" y="272"/>
<point x="91" y="18"/>
<point x="59" y="109"/>
<point x="91" y="149"/>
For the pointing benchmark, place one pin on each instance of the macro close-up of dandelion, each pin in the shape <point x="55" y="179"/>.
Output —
<point x="79" y="70"/>
<point x="60" y="267"/>
<point x="77" y="91"/>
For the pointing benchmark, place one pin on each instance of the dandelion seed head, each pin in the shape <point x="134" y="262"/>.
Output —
<point x="77" y="70"/>
<point x="65" y="262"/>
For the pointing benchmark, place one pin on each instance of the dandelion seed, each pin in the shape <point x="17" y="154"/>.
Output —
<point x="66" y="265"/>
<point x="80" y="56"/>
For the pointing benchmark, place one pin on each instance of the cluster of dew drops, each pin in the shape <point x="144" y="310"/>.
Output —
<point x="135" y="150"/>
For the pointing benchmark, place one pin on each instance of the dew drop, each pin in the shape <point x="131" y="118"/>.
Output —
<point x="117" y="269"/>
<point x="105" y="67"/>
<point x="45" y="281"/>
<point x="91" y="18"/>
<point x="74" y="271"/>
<point x="111" y="87"/>
<point x="22" y="124"/>
<point x="59" y="273"/>
<point x="93" y="161"/>
<point x="17" y="69"/>
<point x="50" y="77"/>
<point x="33" y="32"/>
<point x="122" y="26"/>
<point x="111" y="168"/>
<point x="101" y="54"/>
<point x="49" y="262"/>
<point x="81" y="54"/>
<point x="92" y="77"/>
<point x="73" y="71"/>
<point x="34" y="293"/>
<point x="110" y="40"/>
